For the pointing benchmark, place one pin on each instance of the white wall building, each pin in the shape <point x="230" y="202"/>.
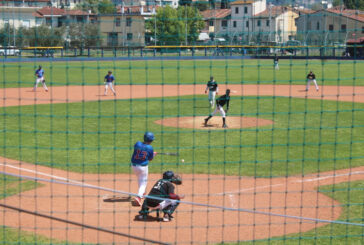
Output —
<point x="17" y="16"/>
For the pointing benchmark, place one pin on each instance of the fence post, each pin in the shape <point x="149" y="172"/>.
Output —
<point x="154" y="52"/>
<point x="205" y="51"/>
<point x="179" y="51"/>
<point x="88" y="51"/>
<point x="128" y="51"/>
<point x="102" y="52"/>
<point x="141" y="52"/>
<point x="61" y="52"/>
<point x="114" y="51"/>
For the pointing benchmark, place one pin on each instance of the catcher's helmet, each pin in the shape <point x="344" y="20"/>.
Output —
<point x="148" y="137"/>
<point x="168" y="175"/>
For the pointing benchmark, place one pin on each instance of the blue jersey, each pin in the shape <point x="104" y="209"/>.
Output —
<point x="109" y="78"/>
<point x="143" y="153"/>
<point x="39" y="73"/>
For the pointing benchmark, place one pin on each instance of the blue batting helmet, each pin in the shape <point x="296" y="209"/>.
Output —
<point x="148" y="137"/>
<point x="168" y="175"/>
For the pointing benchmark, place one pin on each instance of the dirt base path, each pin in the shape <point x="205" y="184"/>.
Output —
<point x="193" y="224"/>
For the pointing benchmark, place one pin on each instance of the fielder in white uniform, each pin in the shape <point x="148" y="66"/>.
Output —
<point x="311" y="77"/>
<point x="213" y="90"/>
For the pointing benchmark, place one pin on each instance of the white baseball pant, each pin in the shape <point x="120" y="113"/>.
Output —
<point x="107" y="85"/>
<point x="309" y="82"/>
<point x="142" y="174"/>
<point x="220" y="109"/>
<point x="212" y="95"/>
<point x="40" y="80"/>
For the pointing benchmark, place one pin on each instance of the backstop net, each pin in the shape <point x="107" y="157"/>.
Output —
<point x="256" y="106"/>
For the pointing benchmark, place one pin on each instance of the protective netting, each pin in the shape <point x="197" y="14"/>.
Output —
<point x="257" y="108"/>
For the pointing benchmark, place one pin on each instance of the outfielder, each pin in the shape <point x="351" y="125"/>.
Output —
<point x="276" y="66"/>
<point x="213" y="90"/>
<point x="108" y="80"/>
<point x="39" y="74"/>
<point x="163" y="188"/>
<point x="220" y="102"/>
<point x="311" y="77"/>
<point x="143" y="153"/>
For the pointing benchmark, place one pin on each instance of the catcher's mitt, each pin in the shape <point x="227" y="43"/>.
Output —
<point x="177" y="179"/>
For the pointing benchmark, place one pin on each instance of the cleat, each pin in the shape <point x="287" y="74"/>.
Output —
<point x="166" y="218"/>
<point x="224" y="126"/>
<point x="137" y="202"/>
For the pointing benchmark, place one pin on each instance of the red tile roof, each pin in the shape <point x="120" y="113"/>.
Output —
<point x="46" y="11"/>
<point x="215" y="13"/>
<point x="274" y="12"/>
<point x="350" y="13"/>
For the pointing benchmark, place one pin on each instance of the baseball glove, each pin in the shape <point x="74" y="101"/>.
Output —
<point x="177" y="179"/>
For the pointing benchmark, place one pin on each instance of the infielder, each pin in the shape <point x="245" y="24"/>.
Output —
<point x="143" y="153"/>
<point x="108" y="80"/>
<point x="213" y="90"/>
<point x="39" y="74"/>
<point x="311" y="77"/>
<point x="220" y="102"/>
<point x="163" y="188"/>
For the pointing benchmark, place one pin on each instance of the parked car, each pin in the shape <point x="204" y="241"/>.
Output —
<point x="10" y="50"/>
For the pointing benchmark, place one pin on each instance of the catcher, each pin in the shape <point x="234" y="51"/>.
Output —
<point x="163" y="188"/>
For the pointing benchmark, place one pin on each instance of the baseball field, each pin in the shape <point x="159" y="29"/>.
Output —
<point x="288" y="169"/>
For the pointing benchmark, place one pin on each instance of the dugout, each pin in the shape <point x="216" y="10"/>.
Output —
<point x="355" y="47"/>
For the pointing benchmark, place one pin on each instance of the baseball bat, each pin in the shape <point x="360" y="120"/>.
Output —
<point x="168" y="153"/>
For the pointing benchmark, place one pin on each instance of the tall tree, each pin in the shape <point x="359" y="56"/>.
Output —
<point x="354" y="4"/>
<point x="172" y="26"/>
<point x="97" y="7"/>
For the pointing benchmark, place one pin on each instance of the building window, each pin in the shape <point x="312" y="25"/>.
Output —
<point x="245" y="10"/>
<point x="26" y="23"/>
<point x="362" y="29"/>
<point x="129" y="36"/>
<point x="343" y="28"/>
<point x="211" y="23"/>
<point x="258" y="23"/>
<point x="236" y="10"/>
<point x="247" y="24"/>
<point x="117" y="22"/>
<point x="48" y="21"/>
<point x="234" y="23"/>
<point x="38" y="21"/>
<point x="318" y="25"/>
<point x="224" y="23"/>
<point x="331" y="27"/>
<point x="267" y="23"/>
<point x="128" y="21"/>
<point x="112" y="39"/>
<point x="6" y="21"/>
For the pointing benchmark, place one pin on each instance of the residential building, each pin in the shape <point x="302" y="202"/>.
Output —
<point x="126" y="27"/>
<point x="217" y="21"/>
<point x="330" y="26"/>
<point x="25" y="3"/>
<point x="57" y="17"/>
<point x="17" y="16"/>
<point x="275" y="24"/>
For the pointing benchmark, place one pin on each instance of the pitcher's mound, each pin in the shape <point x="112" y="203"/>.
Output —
<point x="214" y="122"/>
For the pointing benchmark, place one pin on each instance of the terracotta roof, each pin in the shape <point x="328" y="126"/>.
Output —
<point x="33" y="1"/>
<point x="274" y="12"/>
<point x="77" y="12"/>
<point x="50" y="11"/>
<point x="215" y="13"/>
<point x="350" y="13"/>
<point x="353" y="41"/>
<point x="242" y="2"/>
<point x="47" y="11"/>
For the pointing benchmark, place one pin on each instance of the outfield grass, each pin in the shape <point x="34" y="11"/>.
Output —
<point x="98" y="137"/>
<point x="351" y="197"/>
<point x="246" y="71"/>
